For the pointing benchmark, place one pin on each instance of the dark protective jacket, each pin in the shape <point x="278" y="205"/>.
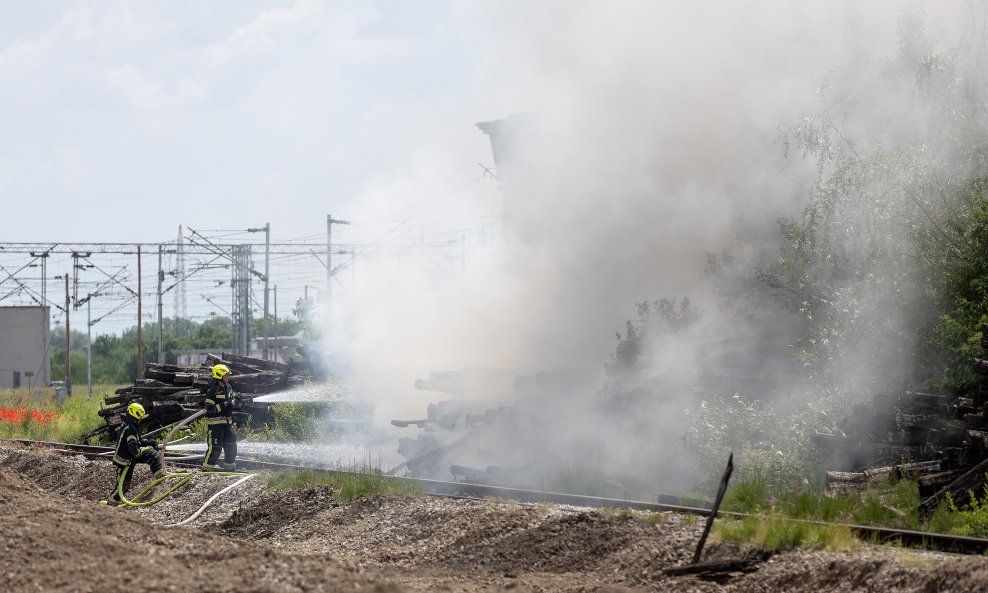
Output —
<point x="219" y="404"/>
<point x="130" y="444"/>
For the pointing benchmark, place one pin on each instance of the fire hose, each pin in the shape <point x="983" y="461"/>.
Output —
<point x="184" y="478"/>
<point x="192" y="517"/>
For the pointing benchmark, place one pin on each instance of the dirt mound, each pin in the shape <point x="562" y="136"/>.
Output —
<point x="71" y="476"/>
<point x="272" y="513"/>
<point x="571" y="542"/>
<point x="53" y="543"/>
<point x="55" y="537"/>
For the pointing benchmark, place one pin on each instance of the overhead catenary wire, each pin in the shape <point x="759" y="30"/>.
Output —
<point x="293" y="265"/>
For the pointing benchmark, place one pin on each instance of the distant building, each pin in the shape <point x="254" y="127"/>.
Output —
<point x="281" y="348"/>
<point x="189" y="358"/>
<point x="25" y="333"/>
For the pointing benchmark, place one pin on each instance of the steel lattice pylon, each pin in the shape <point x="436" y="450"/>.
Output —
<point x="241" y="299"/>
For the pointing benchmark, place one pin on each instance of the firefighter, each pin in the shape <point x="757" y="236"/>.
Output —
<point x="131" y="450"/>
<point x="219" y="420"/>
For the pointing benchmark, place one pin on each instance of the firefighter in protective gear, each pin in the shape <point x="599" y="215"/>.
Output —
<point x="131" y="450"/>
<point x="219" y="420"/>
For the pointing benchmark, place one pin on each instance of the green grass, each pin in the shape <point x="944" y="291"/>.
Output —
<point x="783" y="522"/>
<point x="291" y="422"/>
<point x="45" y="418"/>
<point x="776" y="532"/>
<point x="347" y="484"/>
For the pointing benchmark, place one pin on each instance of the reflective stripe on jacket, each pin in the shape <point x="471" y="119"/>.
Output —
<point x="218" y="408"/>
<point x="129" y="443"/>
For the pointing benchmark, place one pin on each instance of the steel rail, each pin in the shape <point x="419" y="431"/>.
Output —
<point x="871" y="533"/>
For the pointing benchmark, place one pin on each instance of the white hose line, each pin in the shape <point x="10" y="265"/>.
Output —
<point x="211" y="499"/>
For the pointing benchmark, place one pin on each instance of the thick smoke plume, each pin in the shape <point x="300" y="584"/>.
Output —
<point x="651" y="139"/>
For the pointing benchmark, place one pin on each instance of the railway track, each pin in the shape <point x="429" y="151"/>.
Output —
<point x="883" y="535"/>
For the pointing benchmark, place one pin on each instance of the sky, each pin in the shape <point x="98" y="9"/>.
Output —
<point x="124" y="120"/>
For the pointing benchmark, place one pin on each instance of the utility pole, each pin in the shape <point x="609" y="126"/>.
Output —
<point x="161" y="332"/>
<point x="267" y="277"/>
<point x="140" y="337"/>
<point x="75" y="275"/>
<point x="267" y="257"/>
<point x="329" y="258"/>
<point x="89" y="345"/>
<point x="68" y="342"/>
<point x="43" y="256"/>
<point x="275" y="357"/>
<point x="181" y="310"/>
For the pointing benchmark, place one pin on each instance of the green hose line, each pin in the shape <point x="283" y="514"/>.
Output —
<point x="141" y="494"/>
<point x="155" y="482"/>
<point x="185" y="477"/>
<point x="168" y="437"/>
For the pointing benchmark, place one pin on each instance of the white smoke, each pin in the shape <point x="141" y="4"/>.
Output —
<point x="654" y="141"/>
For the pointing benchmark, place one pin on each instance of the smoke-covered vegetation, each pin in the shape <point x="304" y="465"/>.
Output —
<point x="885" y="269"/>
<point x="885" y="256"/>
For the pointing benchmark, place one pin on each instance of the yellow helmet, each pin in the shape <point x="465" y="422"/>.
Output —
<point x="220" y="371"/>
<point x="136" y="410"/>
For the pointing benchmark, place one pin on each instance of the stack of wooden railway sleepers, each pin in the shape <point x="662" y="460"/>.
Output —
<point x="171" y="393"/>
<point x="941" y="439"/>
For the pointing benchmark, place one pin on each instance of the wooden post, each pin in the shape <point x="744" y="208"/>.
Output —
<point x="713" y="513"/>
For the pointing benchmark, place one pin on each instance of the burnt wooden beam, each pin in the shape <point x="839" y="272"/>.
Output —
<point x="973" y="480"/>
<point x="260" y="363"/>
<point x="236" y="367"/>
<point x="716" y="569"/>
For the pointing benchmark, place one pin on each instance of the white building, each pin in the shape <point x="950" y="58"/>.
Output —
<point x="25" y="333"/>
<point x="281" y="348"/>
<point x="191" y="358"/>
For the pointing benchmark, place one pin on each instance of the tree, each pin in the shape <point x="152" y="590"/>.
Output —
<point x="308" y="316"/>
<point x="114" y="358"/>
<point x="657" y="320"/>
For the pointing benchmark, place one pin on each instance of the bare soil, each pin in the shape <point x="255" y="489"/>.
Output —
<point x="54" y="536"/>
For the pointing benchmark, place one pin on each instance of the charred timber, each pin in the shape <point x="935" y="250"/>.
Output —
<point x="979" y="367"/>
<point x="972" y="480"/>
<point x="238" y="368"/>
<point x="890" y="472"/>
<point x="930" y="484"/>
<point x="172" y="392"/>
<point x="267" y="365"/>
